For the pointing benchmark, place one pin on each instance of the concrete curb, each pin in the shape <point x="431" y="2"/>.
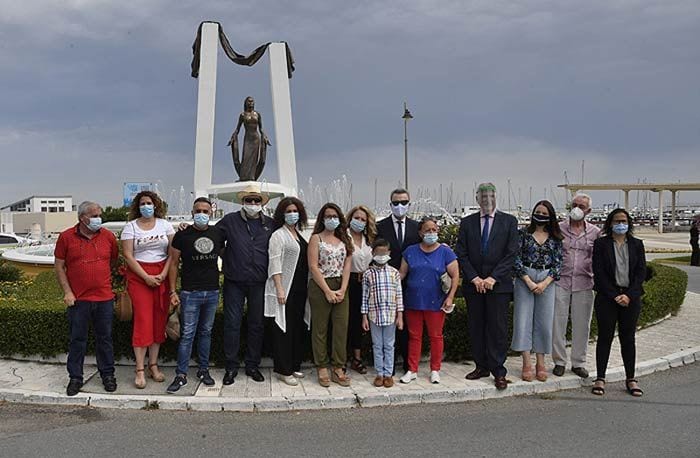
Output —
<point x="351" y="400"/>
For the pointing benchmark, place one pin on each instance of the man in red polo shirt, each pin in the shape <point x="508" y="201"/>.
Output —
<point x="84" y="255"/>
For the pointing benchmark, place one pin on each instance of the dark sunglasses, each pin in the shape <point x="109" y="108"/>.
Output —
<point x="252" y="200"/>
<point x="399" y="202"/>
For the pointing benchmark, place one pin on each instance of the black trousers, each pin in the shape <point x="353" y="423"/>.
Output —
<point x="695" y="256"/>
<point x="253" y="296"/>
<point x="488" y="328"/>
<point x="289" y="346"/>
<point x="79" y="317"/>
<point x="609" y="313"/>
<point x="355" y="331"/>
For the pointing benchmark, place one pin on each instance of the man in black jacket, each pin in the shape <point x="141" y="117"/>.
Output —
<point x="486" y="249"/>
<point x="401" y="232"/>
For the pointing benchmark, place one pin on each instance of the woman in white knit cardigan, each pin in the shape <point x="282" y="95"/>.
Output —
<point x="285" y="291"/>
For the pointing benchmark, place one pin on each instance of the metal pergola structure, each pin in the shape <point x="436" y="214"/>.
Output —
<point x="673" y="188"/>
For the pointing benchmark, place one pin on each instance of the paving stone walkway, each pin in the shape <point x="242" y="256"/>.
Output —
<point x="673" y="342"/>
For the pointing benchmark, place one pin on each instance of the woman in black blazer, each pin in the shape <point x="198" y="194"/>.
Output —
<point x="619" y="268"/>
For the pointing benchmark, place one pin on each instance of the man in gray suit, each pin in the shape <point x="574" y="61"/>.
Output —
<point x="486" y="249"/>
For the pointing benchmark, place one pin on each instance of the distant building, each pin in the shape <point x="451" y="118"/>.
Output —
<point x="41" y="204"/>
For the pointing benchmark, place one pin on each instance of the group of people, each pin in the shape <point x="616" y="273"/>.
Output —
<point x="354" y="275"/>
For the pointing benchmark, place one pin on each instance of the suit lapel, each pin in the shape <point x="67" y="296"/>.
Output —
<point x="389" y="228"/>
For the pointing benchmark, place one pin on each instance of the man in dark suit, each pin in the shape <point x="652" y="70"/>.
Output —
<point x="401" y="232"/>
<point x="486" y="249"/>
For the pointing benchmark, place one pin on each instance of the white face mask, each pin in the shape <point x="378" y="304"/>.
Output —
<point x="252" y="209"/>
<point x="381" y="259"/>
<point x="399" y="210"/>
<point x="576" y="214"/>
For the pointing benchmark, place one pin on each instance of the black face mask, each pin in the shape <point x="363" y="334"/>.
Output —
<point x="540" y="220"/>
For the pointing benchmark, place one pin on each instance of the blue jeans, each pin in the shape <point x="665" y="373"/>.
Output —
<point x="197" y="310"/>
<point x="383" y="338"/>
<point x="79" y="317"/>
<point x="235" y="295"/>
<point x="533" y="315"/>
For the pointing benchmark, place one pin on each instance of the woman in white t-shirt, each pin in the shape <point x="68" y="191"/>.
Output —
<point x="362" y="230"/>
<point x="145" y="241"/>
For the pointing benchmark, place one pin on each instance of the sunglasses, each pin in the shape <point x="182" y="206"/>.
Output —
<point x="399" y="202"/>
<point x="252" y="200"/>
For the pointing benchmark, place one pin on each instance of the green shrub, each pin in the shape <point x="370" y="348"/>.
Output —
<point x="34" y="319"/>
<point x="9" y="272"/>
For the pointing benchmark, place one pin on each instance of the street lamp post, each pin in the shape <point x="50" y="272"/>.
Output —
<point x="406" y="116"/>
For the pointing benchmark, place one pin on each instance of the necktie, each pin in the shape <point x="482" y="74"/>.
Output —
<point x="399" y="231"/>
<point x="485" y="235"/>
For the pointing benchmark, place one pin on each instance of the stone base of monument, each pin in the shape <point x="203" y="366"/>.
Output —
<point x="229" y="191"/>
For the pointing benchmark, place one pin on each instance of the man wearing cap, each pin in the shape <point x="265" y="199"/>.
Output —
<point x="574" y="289"/>
<point x="247" y="235"/>
<point x="84" y="257"/>
<point x="486" y="249"/>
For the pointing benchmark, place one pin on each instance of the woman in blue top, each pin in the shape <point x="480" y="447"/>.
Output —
<point x="537" y="266"/>
<point x="425" y="301"/>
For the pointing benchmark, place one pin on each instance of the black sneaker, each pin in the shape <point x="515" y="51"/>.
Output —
<point x="229" y="377"/>
<point x="110" y="383"/>
<point x="203" y="375"/>
<point x="179" y="382"/>
<point x="255" y="374"/>
<point x="74" y="386"/>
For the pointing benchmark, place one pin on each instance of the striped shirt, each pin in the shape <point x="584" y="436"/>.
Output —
<point x="381" y="294"/>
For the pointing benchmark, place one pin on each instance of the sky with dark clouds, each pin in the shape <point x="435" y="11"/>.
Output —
<point x="95" y="93"/>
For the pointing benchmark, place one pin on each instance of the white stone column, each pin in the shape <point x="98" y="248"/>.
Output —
<point x="206" y="107"/>
<point x="661" y="211"/>
<point x="282" y="116"/>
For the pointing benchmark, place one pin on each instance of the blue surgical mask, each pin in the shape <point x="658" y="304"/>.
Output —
<point x="331" y="223"/>
<point x="147" y="210"/>
<point x="201" y="219"/>
<point x="357" y="225"/>
<point x="291" y="218"/>
<point x="620" y="228"/>
<point x="95" y="224"/>
<point x="430" y="238"/>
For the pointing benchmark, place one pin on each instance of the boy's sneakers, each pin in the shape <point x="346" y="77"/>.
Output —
<point x="179" y="382"/>
<point x="203" y="375"/>
<point x="408" y="377"/>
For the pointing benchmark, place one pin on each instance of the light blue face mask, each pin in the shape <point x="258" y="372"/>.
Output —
<point x="357" y="225"/>
<point x="620" y="228"/>
<point x="430" y="238"/>
<point x="201" y="219"/>
<point x="147" y="210"/>
<point x="331" y="224"/>
<point x="95" y="224"/>
<point x="291" y="218"/>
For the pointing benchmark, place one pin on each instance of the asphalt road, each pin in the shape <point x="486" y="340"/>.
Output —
<point x="569" y="423"/>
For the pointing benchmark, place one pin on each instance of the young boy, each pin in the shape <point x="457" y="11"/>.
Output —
<point x="382" y="310"/>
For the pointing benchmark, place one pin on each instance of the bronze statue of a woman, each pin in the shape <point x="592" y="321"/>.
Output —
<point x="255" y="142"/>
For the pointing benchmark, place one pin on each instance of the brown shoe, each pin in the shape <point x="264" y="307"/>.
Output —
<point x="501" y="383"/>
<point x="477" y="373"/>
<point x="338" y="376"/>
<point x="323" y="378"/>
<point x="378" y="381"/>
<point x="155" y="373"/>
<point x="388" y="382"/>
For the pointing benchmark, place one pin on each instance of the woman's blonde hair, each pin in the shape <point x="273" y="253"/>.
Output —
<point x="370" y="231"/>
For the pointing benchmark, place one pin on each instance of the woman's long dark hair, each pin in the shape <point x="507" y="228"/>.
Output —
<point x="341" y="231"/>
<point x="282" y="207"/>
<point x="158" y="205"/>
<point x="607" y="227"/>
<point x="552" y="227"/>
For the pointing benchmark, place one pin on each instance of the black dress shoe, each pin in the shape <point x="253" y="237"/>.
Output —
<point x="110" y="383"/>
<point x="255" y="375"/>
<point x="580" y="371"/>
<point x="477" y="373"/>
<point x="558" y="370"/>
<point x="501" y="383"/>
<point x="229" y="377"/>
<point x="74" y="386"/>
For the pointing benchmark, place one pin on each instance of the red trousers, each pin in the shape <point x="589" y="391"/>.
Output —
<point x="150" y="306"/>
<point x="434" y="321"/>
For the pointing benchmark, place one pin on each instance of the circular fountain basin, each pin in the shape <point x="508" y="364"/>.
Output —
<point x="31" y="259"/>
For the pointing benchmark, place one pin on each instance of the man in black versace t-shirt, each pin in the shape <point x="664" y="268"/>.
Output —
<point x="198" y="248"/>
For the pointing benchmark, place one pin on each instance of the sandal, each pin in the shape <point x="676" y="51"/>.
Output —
<point x="634" y="391"/>
<point x="137" y="384"/>
<point x="598" y="390"/>
<point x="338" y="376"/>
<point x="323" y="378"/>
<point x="155" y="374"/>
<point x="541" y="372"/>
<point x="357" y="366"/>
<point x="527" y="374"/>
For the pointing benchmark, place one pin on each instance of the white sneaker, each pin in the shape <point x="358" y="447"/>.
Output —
<point x="288" y="379"/>
<point x="408" y="377"/>
<point x="434" y="377"/>
<point x="298" y="374"/>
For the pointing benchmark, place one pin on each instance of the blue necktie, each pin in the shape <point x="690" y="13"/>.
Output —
<point x="485" y="235"/>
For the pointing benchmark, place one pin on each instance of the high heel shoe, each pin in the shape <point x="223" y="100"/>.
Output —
<point x="155" y="373"/>
<point x="140" y="384"/>
<point x="541" y="372"/>
<point x="527" y="374"/>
